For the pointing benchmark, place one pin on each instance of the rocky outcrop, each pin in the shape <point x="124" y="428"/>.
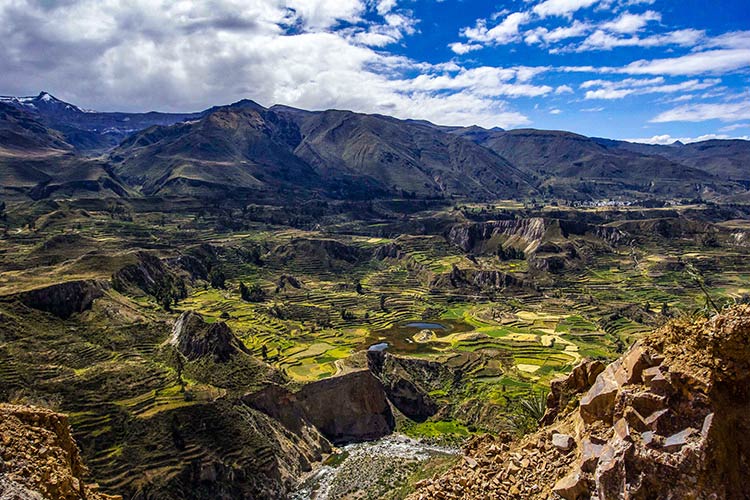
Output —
<point x="549" y="263"/>
<point x="344" y="409"/>
<point x="351" y="407"/>
<point x="609" y="234"/>
<point x="666" y="420"/>
<point x="64" y="299"/>
<point x="564" y="389"/>
<point x="328" y="254"/>
<point x="667" y="227"/>
<point x="650" y="428"/>
<point x="479" y="280"/>
<point x="196" y="339"/>
<point x="194" y="266"/>
<point x="740" y="238"/>
<point x="357" y="406"/>
<point x="389" y="251"/>
<point x="288" y="280"/>
<point x="39" y="458"/>
<point x="475" y="237"/>
<point x="151" y="276"/>
<point x="612" y="235"/>
<point x="280" y="404"/>
<point x="525" y="234"/>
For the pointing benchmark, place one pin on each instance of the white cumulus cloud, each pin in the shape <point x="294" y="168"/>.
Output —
<point x="138" y="55"/>
<point x="666" y="139"/>
<point x="728" y="112"/>
<point x="563" y="8"/>
<point x="464" y="48"/>
<point x="505" y="32"/>
<point x="710" y="61"/>
<point x="605" y="89"/>
<point x="631" y="23"/>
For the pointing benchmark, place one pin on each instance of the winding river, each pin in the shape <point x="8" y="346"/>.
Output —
<point x="362" y="465"/>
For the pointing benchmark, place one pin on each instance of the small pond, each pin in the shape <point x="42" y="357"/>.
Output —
<point x="426" y="326"/>
<point x="400" y="338"/>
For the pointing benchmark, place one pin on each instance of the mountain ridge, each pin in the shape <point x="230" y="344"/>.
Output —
<point x="90" y="130"/>
<point x="245" y="149"/>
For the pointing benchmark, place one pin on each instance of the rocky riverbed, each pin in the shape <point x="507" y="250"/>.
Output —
<point x="372" y="469"/>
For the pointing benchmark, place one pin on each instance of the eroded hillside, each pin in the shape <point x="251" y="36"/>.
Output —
<point x="40" y="459"/>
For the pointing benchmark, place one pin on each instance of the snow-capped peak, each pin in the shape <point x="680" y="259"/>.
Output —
<point x="43" y="98"/>
<point x="49" y="99"/>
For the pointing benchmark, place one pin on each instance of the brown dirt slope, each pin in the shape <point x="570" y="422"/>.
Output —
<point x="39" y="458"/>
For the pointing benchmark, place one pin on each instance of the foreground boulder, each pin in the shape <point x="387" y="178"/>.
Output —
<point x="666" y="420"/>
<point x="39" y="458"/>
<point x="563" y="389"/>
<point x="195" y="338"/>
<point x="64" y="299"/>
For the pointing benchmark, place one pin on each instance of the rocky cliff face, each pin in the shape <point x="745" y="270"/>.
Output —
<point x="329" y="254"/>
<point x="475" y="237"/>
<point x="525" y="234"/>
<point x="389" y="251"/>
<point x="407" y="382"/>
<point x="351" y="407"/>
<point x="667" y="420"/>
<point x="479" y="280"/>
<point x="348" y="408"/>
<point x="564" y="390"/>
<point x="39" y="458"/>
<point x="64" y="299"/>
<point x="151" y="276"/>
<point x="195" y="338"/>
<point x="357" y="406"/>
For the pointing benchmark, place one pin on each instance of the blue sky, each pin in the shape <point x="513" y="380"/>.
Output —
<point x="653" y="70"/>
<point x="602" y="34"/>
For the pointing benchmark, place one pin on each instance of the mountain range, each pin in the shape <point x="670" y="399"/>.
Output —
<point x="50" y="148"/>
